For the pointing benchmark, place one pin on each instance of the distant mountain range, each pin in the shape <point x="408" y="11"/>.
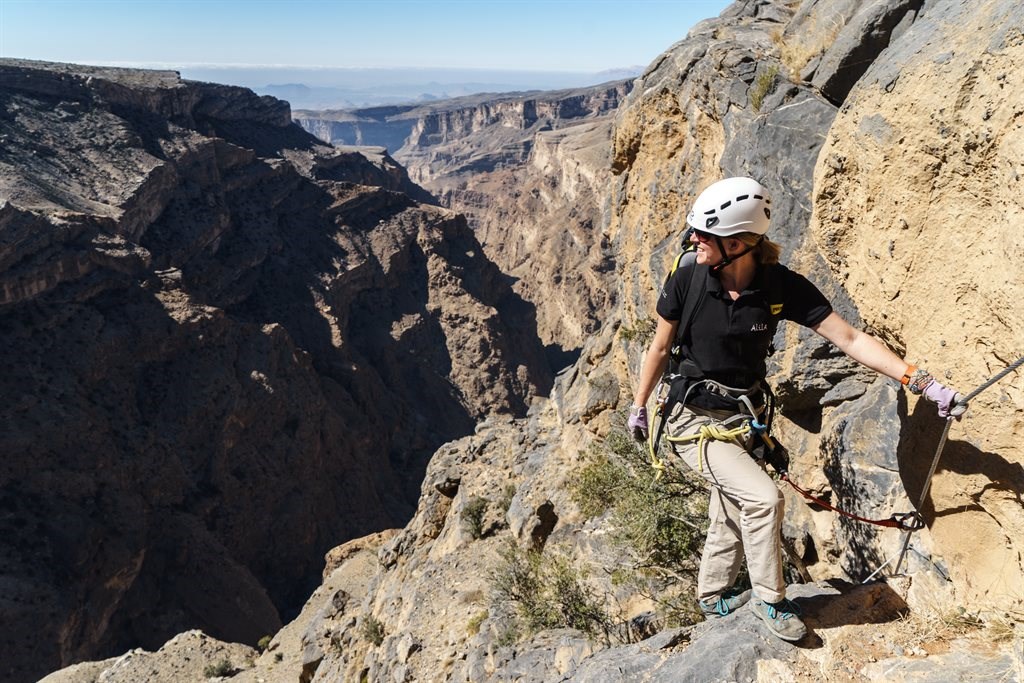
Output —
<point x="329" y="88"/>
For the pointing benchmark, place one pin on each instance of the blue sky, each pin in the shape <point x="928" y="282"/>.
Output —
<point x="557" y="35"/>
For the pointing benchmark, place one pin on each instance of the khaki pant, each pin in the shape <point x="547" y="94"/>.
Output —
<point x="745" y="512"/>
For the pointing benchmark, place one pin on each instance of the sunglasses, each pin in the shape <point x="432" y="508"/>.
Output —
<point x="703" y="236"/>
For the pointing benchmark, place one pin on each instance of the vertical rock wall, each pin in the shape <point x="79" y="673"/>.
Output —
<point x="918" y="208"/>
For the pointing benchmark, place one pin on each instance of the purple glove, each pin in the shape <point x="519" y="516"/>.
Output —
<point x="638" y="423"/>
<point x="950" y="402"/>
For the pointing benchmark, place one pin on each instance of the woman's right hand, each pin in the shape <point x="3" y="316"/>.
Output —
<point x="637" y="422"/>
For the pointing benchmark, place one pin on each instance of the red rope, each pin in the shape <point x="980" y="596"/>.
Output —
<point x="910" y="521"/>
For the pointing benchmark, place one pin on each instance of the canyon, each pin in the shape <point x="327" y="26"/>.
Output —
<point x="239" y="347"/>
<point x="516" y="165"/>
<point x="228" y="349"/>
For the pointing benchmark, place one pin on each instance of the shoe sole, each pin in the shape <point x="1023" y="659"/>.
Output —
<point x="768" y="624"/>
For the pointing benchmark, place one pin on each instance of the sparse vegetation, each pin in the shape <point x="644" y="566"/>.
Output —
<point x="473" y="516"/>
<point x="507" y="494"/>
<point x="795" y="55"/>
<point x="473" y="625"/>
<point x="545" y="591"/>
<point x="764" y="85"/>
<point x="592" y="486"/>
<point x="222" y="669"/>
<point x="264" y="643"/>
<point x="372" y="630"/>
<point x="658" y="523"/>
<point x="509" y="634"/>
<point x="929" y="625"/>
<point x="641" y="332"/>
<point x="662" y="520"/>
<point x="1001" y="629"/>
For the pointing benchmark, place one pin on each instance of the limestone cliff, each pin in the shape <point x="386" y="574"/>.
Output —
<point x="228" y="347"/>
<point x="530" y="172"/>
<point x="917" y="207"/>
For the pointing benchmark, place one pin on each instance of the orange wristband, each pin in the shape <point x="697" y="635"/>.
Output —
<point x="905" y="380"/>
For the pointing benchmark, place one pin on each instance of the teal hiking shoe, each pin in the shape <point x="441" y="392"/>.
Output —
<point x="780" y="618"/>
<point x="730" y="601"/>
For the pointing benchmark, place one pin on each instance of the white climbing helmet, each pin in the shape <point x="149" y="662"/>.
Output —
<point x="731" y="206"/>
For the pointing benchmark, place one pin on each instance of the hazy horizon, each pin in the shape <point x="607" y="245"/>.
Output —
<point x="365" y="87"/>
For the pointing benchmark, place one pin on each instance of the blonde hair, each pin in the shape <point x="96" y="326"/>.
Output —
<point x="765" y="251"/>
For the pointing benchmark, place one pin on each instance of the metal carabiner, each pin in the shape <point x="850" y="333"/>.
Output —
<point x="909" y="521"/>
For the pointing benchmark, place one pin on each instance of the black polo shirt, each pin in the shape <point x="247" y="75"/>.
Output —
<point x="729" y="340"/>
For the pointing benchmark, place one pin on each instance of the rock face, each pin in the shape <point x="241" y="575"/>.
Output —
<point x="227" y="346"/>
<point x="903" y="174"/>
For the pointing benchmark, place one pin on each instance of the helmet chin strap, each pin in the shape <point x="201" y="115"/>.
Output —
<point x="726" y="259"/>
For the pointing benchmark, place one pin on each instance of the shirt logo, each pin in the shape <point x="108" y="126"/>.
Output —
<point x="776" y="308"/>
<point x="759" y="327"/>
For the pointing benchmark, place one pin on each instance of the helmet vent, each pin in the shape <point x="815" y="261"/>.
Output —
<point x="757" y="196"/>
<point x="742" y="197"/>
<point x="711" y="222"/>
<point x="726" y="205"/>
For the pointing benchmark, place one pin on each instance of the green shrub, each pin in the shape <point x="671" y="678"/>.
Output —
<point x="372" y="630"/>
<point x="575" y="605"/>
<point x="658" y="523"/>
<point x="661" y="519"/>
<point x="264" y="643"/>
<point x="545" y="591"/>
<point x="642" y="331"/>
<point x="509" y="634"/>
<point x="221" y="669"/>
<point x="473" y="625"/>
<point x="507" y="494"/>
<point x="763" y="86"/>
<point x="597" y="485"/>
<point x="473" y="516"/>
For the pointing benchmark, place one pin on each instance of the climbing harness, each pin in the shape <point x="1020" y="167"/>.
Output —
<point x="745" y="425"/>
<point x="935" y="463"/>
<point x="748" y="423"/>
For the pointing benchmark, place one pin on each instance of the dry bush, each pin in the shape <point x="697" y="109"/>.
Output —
<point x="795" y="52"/>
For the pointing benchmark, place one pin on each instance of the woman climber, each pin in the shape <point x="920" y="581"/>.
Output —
<point x="737" y="293"/>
